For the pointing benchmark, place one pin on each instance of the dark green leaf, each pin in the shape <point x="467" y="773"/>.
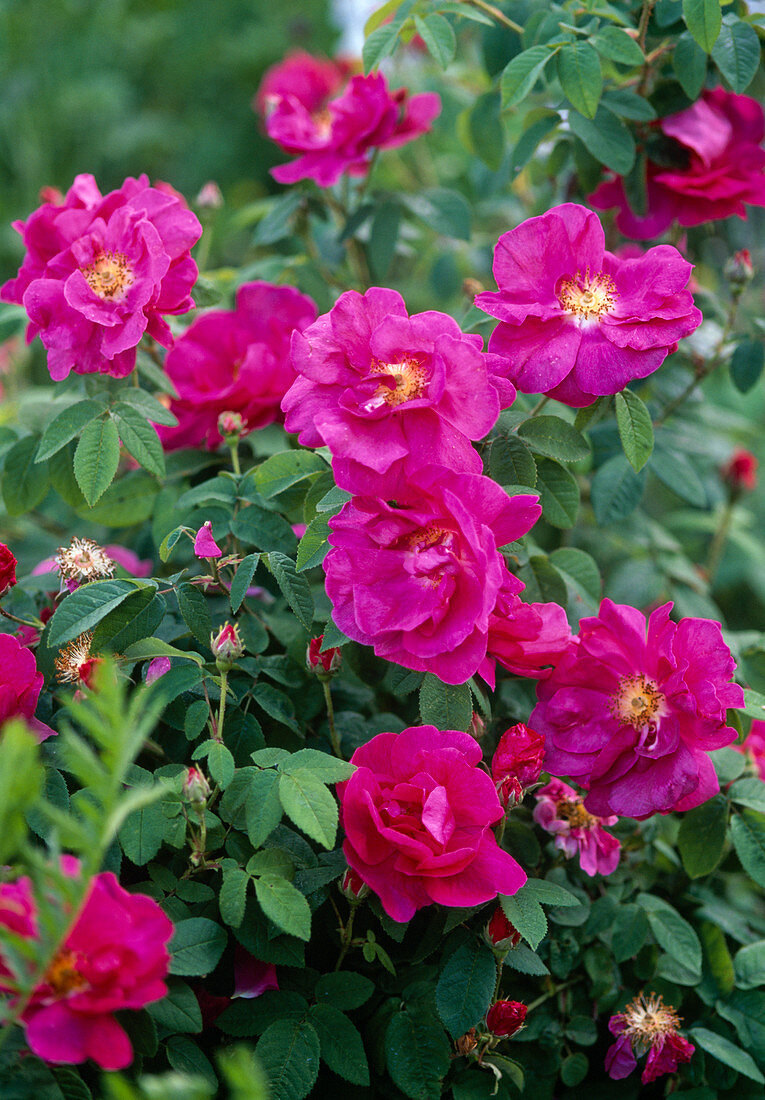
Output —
<point x="607" y="138"/>
<point x="96" y="458"/>
<point x="727" y="1052"/>
<point x="535" y="132"/>
<point x="690" y="64"/>
<point x="736" y="53"/>
<point x="195" y="612"/>
<point x="445" y="706"/>
<point x="294" y="586"/>
<point x="747" y="831"/>
<point x="341" y="1045"/>
<point x="196" y="946"/>
<point x="245" y="571"/>
<point x="747" y="363"/>
<point x="703" y="19"/>
<point x="672" y="932"/>
<point x="465" y="987"/>
<point x="345" y="989"/>
<point x="281" y="471"/>
<point x="675" y="470"/>
<point x="25" y="482"/>
<point x="628" y="932"/>
<point x="289" y="1052"/>
<point x="574" y="1069"/>
<point x="701" y="839"/>
<point x="635" y="428"/>
<point x="749" y="792"/>
<point x="263" y="809"/>
<point x="511" y="462"/>
<point x="749" y="965"/>
<point x="83" y="608"/>
<point x="179" y="1010"/>
<point x="313" y="546"/>
<point x="140" y="438"/>
<point x="520" y="76"/>
<point x="417" y="1053"/>
<point x="284" y="905"/>
<point x="559" y="493"/>
<point x="527" y="915"/>
<point x="66" y="425"/>
<point x="615" y="44"/>
<point x="580" y="76"/>
<point x="616" y="490"/>
<point x="310" y="805"/>
<point x="554" y="438"/>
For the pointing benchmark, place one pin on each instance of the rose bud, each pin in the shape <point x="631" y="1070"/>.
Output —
<point x="739" y="269"/>
<point x="353" y="887"/>
<point x="205" y="545"/>
<point x="232" y="426"/>
<point x="226" y="646"/>
<point x="506" y="1017"/>
<point x="196" y="788"/>
<point x="740" y="471"/>
<point x="517" y="763"/>
<point x="323" y="664"/>
<point x="209" y="197"/>
<point x="477" y="726"/>
<point x="8" y="565"/>
<point x="499" y="933"/>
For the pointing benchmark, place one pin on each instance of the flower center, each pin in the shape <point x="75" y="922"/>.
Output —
<point x="576" y="815"/>
<point x="647" y="1019"/>
<point x="431" y="570"/>
<point x="637" y="701"/>
<point x="63" y="976"/>
<point x="109" y="275"/>
<point x="322" y="119"/>
<point x="408" y="378"/>
<point x="587" y="297"/>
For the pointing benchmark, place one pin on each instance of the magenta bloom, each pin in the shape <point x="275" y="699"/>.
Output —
<point x="101" y="271"/>
<point x="381" y="388"/>
<point x="417" y="814"/>
<point x="115" y="957"/>
<point x="417" y="576"/>
<point x="716" y="144"/>
<point x="525" y="638"/>
<point x="332" y="134"/>
<point x="576" y="321"/>
<point x="631" y="714"/>
<point x="20" y="686"/>
<point x="205" y="545"/>
<point x="646" y="1026"/>
<point x="560" y="811"/>
<point x="235" y="361"/>
<point x="517" y="762"/>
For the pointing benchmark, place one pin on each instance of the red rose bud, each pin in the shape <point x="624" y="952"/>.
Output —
<point x="353" y="887"/>
<point x="740" y="471"/>
<point x="739" y="270"/>
<point x="500" y="933"/>
<point x="8" y="565"/>
<point x="226" y="646"/>
<point x="325" y="663"/>
<point x="517" y="763"/>
<point x="506" y="1017"/>
<point x="195" y="787"/>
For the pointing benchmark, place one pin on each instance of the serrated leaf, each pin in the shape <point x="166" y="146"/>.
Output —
<point x="549" y="893"/>
<point x="245" y="571"/>
<point x="313" y="547"/>
<point x="310" y="805"/>
<point x="672" y="932"/>
<point x="626" y="104"/>
<point x="439" y="37"/>
<point x="379" y="45"/>
<point x="445" y="706"/>
<point x="196" y="614"/>
<point x="178" y="1011"/>
<point x="615" y="44"/>
<point x="142" y="834"/>
<point x="325" y="767"/>
<point x="417" y="1053"/>
<point x="559" y="493"/>
<point x="703" y="19"/>
<point x="527" y="915"/>
<point x="341" y="1045"/>
<point x="616" y="490"/>
<point x="606" y="138"/>
<point x="65" y="426"/>
<point x="581" y="572"/>
<point x="140" y="438"/>
<point x="232" y="896"/>
<point x="465" y="987"/>
<point x="83" y="608"/>
<point x="25" y="481"/>
<point x="289" y="1053"/>
<point x="96" y="458"/>
<point x="676" y="471"/>
<point x="727" y="1052"/>
<point x="701" y="839"/>
<point x="511" y="462"/>
<point x="345" y="989"/>
<point x="690" y="64"/>
<point x="148" y="648"/>
<point x="748" y="792"/>
<point x="580" y="76"/>
<point x="747" y="830"/>
<point x="554" y="438"/>
<point x="196" y="946"/>
<point x="284" y="905"/>
<point x="635" y="428"/>
<point x="522" y="73"/>
<point x="220" y="761"/>
<point x="283" y="470"/>
<point x="148" y="406"/>
<point x="294" y="586"/>
<point x="736" y="53"/>
<point x="263" y="808"/>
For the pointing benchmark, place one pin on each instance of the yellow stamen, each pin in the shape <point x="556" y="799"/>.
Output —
<point x="109" y="275"/>
<point x="587" y="297"/>
<point x="408" y="377"/>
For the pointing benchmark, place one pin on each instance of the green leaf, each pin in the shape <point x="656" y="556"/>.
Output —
<point x="97" y="458"/>
<point x="439" y="37"/>
<point x="417" y="1053"/>
<point x="245" y="571"/>
<point x="263" y="808"/>
<point x="22" y="783"/>
<point x="511" y="462"/>
<point x="220" y="761"/>
<point x="313" y="547"/>
<point x="142" y="833"/>
<point x="178" y="1011"/>
<point x="486" y="133"/>
<point x="379" y="45"/>
<point x="64" y="427"/>
<point x="446" y="212"/>
<point x="548" y="893"/>
<point x="747" y="831"/>
<point x="749" y="964"/>
<point x="615" y="44"/>
<point x="534" y="132"/>
<point x="257" y="526"/>
<point x="749" y="792"/>
<point x="284" y="905"/>
<point x="341" y="1045"/>
<point x="606" y="138"/>
<point x="277" y="224"/>
<point x="520" y="76"/>
<point x="86" y="606"/>
<point x="310" y="805"/>
<point x="635" y="429"/>
<point x="626" y="104"/>
<point x="581" y="574"/>
<point x="196" y="614"/>
<point x="615" y="491"/>
<point x="703" y="19"/>
<point x="701" y="839"/>
<point x="294" y="586"/>
<point x="543" y="581"/>
<point x="672" y="932"/>
<point x="148" y="648"/>
<point x="140" y="438"/>
<point x="554" y="438"/>
<point x="559" y="493"/>
<point x="383" y="238"/>
<point x="345" y="989"/>
<point x="25" y="482"/>
<point x="736" y="53"/>
<point x="127" y="502"/>
<point x="148" y="406"/>
<point x="526" y="961"/>
<point x="281" y="471"/>
<point x="747" y="362"/>
<point x="717" y="957"/>
<point x="675" y="471"/>
<point x="690" y="64"/>
<point x="289" y="1051"/>
<point x="727" y="1052"/>
<point x="325" y="767"/>
<point x="574" y="1069"/>
<point x="581" y="77"/>
<point x="628" y="932"/>
<point x="445" y="706"/>
<point x="465" y="987"/>
<point x="527" y="915"/>
<point x="196" y="946"/>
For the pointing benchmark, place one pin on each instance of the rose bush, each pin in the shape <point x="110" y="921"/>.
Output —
<point x="382" y="680"/>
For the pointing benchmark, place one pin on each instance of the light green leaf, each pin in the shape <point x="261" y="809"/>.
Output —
<point x="520" y="76"/>
<point x="690" y="64"/>
<point x="559" y="493"/>
<point x="284" y="905"/>
<point x="310" y="805"/>
<point x="554" y="438"/>
<point x="606" y="138"/>
<point x="581" y="77"/>
<point x="65" y="426"/>
<point x="439" y="37"/>
<point x="83" y="608"/>
<point x="701" y="839"/>
<point x="703" y="19"/>
<point x="727" y="1052"/>
<point x="245" y="571"/>
<point x="615" y="44"/>
<point x="96" y="458"/>
<point x="140" y="438"/>
<point x="635" y="428"/>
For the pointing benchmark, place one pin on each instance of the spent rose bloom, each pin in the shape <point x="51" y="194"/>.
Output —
<point x="649" y="1026"/>
<point x="709" y="165"/>
<point x="416" y="575"/>
<point x="205" y="545"/>
<point x="20" y="686"/>
<point x="100" y="271"/>
<point x="506" y="1017"/>
<point x="517" y="762"/>
<point x="332" y="134"/>
<point x="381" y="388"/>
<point x="525" y="638"/>
<point x="8" y="565"/>
<point x="417" y="814"/>
<point x="234" y="361"/>
<point x="115" y="957"/>
<point x="631" y="712"/>
<point x="753" y="746"/>
<point x="576" y="321"/>
<point x="560" y="811"/>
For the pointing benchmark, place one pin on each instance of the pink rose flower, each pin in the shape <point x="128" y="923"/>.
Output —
<point x="417" y="814"/>
<point x="560" y="811"/>
<point x="383" y="389"/>
<point x="715" y="145"/>
<point x="101" y="270"/>
<point x="525" y="638"/>
<point x="517" y="762"/>
<point x="234" y="361"/>
<point x="115" y="957"/>
<point x="646" y="1024"/>
<point x="20" y="686"/>
<point x="332" y="134"/>
<point x="577" y="322"/>
<point x="631" y="714"/>
<point x="753" y="746"/>
<point x="416" y="575"/>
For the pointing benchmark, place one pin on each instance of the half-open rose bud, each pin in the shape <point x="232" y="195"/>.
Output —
<point x="195" y="787"/>
<point x="226" y="646"/>
<point x="740" y="471"/>
<point x="499" y="933"/>
<point x="353" y="887"/>
<point x="739" y="269"/>
<point x="517" y="763"/>
<point x="506" y="1017"/>
<point x="323" y="664"/>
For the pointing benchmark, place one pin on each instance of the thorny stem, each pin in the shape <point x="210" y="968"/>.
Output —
<point x="495" y="13"/>
<point x="345" y="938"/>
<point x="222" y="706"/>
<point x="495" y="994"/>
<point x="645" y="17"/>
<point x="334" y="737"/>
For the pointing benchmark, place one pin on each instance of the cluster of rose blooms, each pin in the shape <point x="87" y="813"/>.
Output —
<point x="629" y="709"/>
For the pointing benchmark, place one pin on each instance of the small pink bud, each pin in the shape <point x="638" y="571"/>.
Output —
<point x="226" y="645"/>
<point x="232" y="425"/>
<point x="353" y="887"/>
<point x="739" y="269"/>
<point x="477" y="726"/>
<point x="158" y="667"/>
<point x="325" y="663"/>
<point x="195" y="787"/>
<point x="205" y="545"/>
<point x="209" y="197"/>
